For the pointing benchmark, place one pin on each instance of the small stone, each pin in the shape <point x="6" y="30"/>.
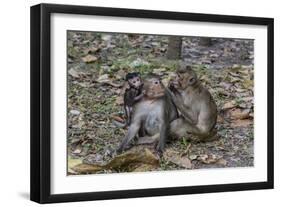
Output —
<point x="138" y="62"/>
<point x="77" y="150"/>
<point x="75" y="112"/>
<point x="193" y="157"/>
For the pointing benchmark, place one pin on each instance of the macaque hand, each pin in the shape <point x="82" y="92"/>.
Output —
<point x="171" y="93"/>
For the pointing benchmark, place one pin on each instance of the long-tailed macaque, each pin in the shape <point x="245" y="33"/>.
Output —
<point x="152" y="114"/>
<point x="133" y="94"/>
<point x="197" y="107"/>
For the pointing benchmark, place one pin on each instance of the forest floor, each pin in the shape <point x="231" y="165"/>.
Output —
<point x="97" y="65"/>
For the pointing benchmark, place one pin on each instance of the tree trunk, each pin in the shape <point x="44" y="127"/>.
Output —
<point x="174" y="48"/>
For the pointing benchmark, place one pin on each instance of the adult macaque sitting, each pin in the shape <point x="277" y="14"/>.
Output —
<point x="152" y="115"/>
<point x="196" y="105"/>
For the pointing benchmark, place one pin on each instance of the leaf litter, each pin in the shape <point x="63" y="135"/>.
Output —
<point x="97" y="65"/>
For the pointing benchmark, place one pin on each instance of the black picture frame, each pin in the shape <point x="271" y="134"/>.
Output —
<point x="41" y="99"/>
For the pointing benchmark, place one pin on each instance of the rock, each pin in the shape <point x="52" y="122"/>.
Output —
<point x="138" y="62"/>
<point x="75" y="112"/>
<point x="78" y="150"/>
<point x="193" y="157"/>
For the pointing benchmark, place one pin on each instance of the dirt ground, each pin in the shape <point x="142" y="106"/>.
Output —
<point x="97" y="65"/>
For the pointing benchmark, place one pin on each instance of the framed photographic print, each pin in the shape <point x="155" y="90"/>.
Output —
<point x="133" y="103"/>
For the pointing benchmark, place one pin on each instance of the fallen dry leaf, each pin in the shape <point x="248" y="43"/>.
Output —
<point x="220" y="119"/>
<point x="229" y="105"/>
<point x="209" y="159"/>
<point x="73" y="73"/>
<point x="120" y="74"/>
<point x="173" y="156"/>
<point x="222" y="162"/>
<point x="119" y="100"/>
<point x="234" y="74"/>
<point x="90" y="50"/>
<point x="103" y="78"/>
<point x="117" y="118"/>
<point x="89" y="58"/>
<point x="249" y="84"/>
<point x="71" y="163"/>
<point x="225" y="85"/>
<point x="241" y="123"/>
<point x="106" y="80"/>
<point x="127" y="162"/>
<point x="159" y="71"/>
<point x="116" y="85"/>
<point x="248" y="99"/>
<point x="238" y="113"/>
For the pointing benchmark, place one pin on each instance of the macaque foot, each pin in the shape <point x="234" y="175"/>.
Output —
<point x="120" y="150"/>
<point x="211" y="136"/>
<point x="159" y="149"/>
<point x="148" y="139"/>
<point x="112" y="153"/>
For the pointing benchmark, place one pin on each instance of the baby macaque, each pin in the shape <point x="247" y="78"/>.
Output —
<point x="152" y="114"/>
<point x="133" y="94"/>
<point x="196" y="105"/>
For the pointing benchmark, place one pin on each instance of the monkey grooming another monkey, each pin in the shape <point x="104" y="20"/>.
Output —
<point x="152" y="114"/>
<point x="133" y="94"/>
<point x="196" y="105"/>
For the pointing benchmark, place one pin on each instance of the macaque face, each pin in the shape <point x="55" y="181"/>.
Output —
<point x="135" y="82"/>
<point x="154" y="88"/>
<point x="182" y="80"/>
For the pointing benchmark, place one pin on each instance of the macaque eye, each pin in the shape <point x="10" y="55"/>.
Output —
<point x="138" y="79"/>
<point x="156" y="82"/>
<point x="191" y="80"/>
<point x="134" y="81"/>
